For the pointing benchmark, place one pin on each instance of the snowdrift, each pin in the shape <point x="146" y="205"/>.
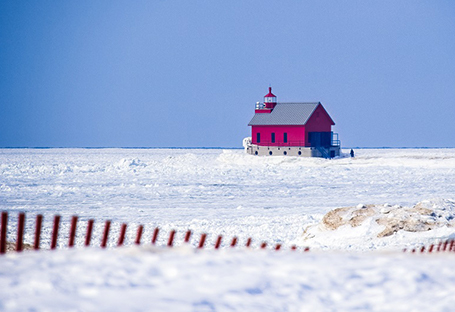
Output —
<point x="384" y="224"/>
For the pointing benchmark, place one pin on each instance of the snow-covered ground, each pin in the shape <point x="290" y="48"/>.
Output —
<point x="227" y="192"/>
<point x="134" y="279"/>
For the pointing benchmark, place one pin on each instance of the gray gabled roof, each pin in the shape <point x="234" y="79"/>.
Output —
<point x="285" y="114"/>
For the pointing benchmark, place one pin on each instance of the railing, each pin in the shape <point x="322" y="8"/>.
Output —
<point x="260" y="105"/>
<point x="335" y="140"/>
<point x="324" y="152"/>
<point x="281" y="143"/>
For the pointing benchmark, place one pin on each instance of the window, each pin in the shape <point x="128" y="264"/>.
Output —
<point x="285" y="153"/>
<point x="273" y="137"/>
<point x="300" y="153"/>
<point x="285" y="137"/>
<point x="270" y="153"/>
<point x="258" y="137"/>
<point x="255" y="153"/>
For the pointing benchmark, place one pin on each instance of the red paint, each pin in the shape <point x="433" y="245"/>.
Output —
<point x="88" y="234"/>
<point x="218" y="242"/>
<point x="155" y="235"/>
<point x="278" y="247"/>
<point x="121" y="237"/>
<point x="187" y="236"/>
<point x="306" y="249"/>
<point x="262" y="111"/>
<point x="55" y="232"/>
<point x="171" y="239"/>
<point x="3" y="232"/>
<point x="107" y="226"/>
<point x="234" y="241"/>
<point x="202" y="241"/>
<point x="319" y="121"/>
<point x="39" y="222"/>
<point x="263" y="245"/>
<point x="293" y="247"/>
<point x="140" y="229"/>
<point x="430" y="250"/>
<point x="72" y="231"/>
<point x="248" y="242"/>
<point x="444" y="246"/>
<point x="270" y="94"/>
<point x="296" y="135"/>
<point x="422" y="249"/>
<point x="20" y="232"/>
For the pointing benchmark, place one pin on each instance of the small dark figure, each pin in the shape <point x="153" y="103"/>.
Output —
<point x="352" y="153"/>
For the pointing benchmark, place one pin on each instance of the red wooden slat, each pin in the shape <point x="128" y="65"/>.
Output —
<point x="121" y="237"/>
<point x="20" y="232"/>
<point x="140" y="229"/>
<point x="187" y="236"/>
<point x="202" y="241"/>
<point x="39" y="222"/>
<point x="72" y="231"/>
<point x="105" y="234"/>
<point x="218" y="242"/>
<point x="444" y="246"/>
<point x="88" y="234"/>
<point x="155" y="235"/>
<point x="171" y="238"/>
<point x="55" y="232"/>
<point x="4" y="224"/>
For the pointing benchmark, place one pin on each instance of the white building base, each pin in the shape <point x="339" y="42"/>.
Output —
<point x="299" y="151"/>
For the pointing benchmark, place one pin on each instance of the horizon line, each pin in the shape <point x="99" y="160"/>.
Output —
<point x="208" y="147"/>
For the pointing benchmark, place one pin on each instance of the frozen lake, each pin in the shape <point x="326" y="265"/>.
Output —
<point x="215" y="191"/>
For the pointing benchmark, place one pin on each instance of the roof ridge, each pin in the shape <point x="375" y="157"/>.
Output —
<point x="293" y="113"/>
<point x="298" y="102"/>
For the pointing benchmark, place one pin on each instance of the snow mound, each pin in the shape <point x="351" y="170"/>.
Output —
<point x="130" y="163"/>
<point x="11" y="247"/>
<point x="247" y="142"/>
<point x="371" y="223"/>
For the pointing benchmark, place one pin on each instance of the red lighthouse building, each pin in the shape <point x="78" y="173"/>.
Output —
<point x="292" y="129"/>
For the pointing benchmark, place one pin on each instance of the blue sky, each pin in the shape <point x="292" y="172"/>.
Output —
<point x="188" y="73"/>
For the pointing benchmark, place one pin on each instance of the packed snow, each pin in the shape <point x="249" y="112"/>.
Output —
<point x="142" y="279"/>
<point x="284" y="200"/>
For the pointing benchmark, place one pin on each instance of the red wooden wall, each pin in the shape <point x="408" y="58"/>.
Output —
<point x="319" y="121"/>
